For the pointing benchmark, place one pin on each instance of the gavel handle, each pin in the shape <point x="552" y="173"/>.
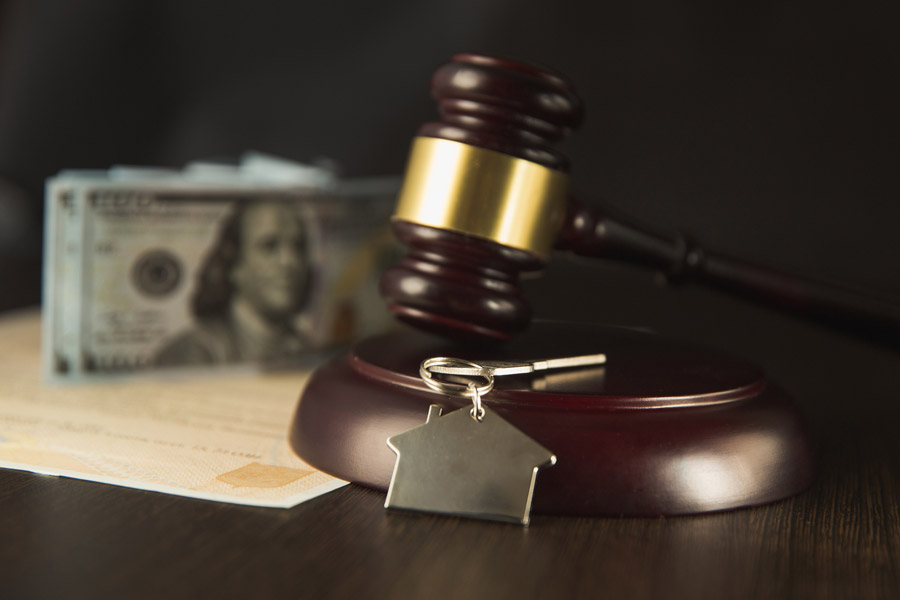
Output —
<point x="592" y="231"/>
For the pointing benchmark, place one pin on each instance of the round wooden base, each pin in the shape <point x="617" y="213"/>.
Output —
<point x="664" y="428"/>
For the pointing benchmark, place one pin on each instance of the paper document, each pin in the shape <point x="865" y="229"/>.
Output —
<point x="215" y="436"/>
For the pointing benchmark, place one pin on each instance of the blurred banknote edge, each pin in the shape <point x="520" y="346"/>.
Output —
<point x="268" y="264"/>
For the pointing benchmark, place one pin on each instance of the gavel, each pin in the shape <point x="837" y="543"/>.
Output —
<point x="486" y="198"/>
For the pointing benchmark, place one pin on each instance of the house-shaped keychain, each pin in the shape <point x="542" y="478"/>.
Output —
<point x="459" y="465"/>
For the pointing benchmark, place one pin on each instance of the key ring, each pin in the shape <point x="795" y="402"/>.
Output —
<point x="466" y="390"/>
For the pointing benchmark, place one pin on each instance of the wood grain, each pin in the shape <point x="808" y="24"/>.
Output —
<point x="840" y="539"/>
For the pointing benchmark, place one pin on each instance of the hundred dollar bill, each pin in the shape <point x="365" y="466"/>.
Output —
<point x="262" y="265"/>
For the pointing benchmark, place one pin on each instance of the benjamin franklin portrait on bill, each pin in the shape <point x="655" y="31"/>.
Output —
<point x="250" y="289"/>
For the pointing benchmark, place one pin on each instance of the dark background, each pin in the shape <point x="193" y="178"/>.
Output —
<point x="767" y="130"/>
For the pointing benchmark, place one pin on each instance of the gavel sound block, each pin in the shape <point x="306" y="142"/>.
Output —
<point x="663" y="428"/>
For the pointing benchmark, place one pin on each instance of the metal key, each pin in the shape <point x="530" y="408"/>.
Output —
<point x="498" y="368"/>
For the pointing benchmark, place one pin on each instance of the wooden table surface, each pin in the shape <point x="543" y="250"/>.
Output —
<point x="839" y="539"/>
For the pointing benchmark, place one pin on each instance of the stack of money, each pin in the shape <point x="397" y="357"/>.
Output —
<point x="265" y="263"/>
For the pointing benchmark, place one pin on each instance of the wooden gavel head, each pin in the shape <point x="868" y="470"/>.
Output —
<point x="484" y="197"/>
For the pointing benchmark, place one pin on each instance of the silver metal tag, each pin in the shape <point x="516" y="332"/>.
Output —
<point x="458" y="464"/>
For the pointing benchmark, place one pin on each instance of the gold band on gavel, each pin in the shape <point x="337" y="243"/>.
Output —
<point x="508" y="200"/>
